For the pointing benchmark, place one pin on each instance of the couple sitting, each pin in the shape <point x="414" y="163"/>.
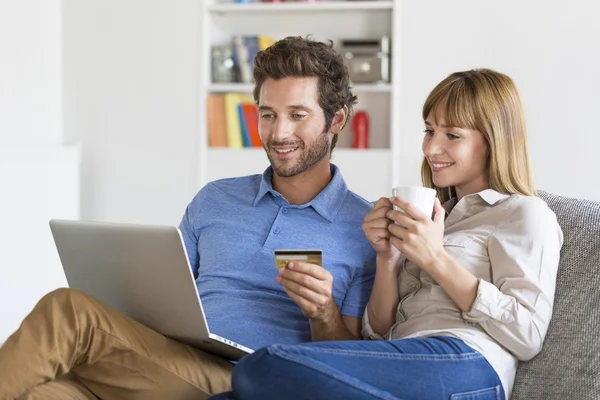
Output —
<point x="446" y="305"/>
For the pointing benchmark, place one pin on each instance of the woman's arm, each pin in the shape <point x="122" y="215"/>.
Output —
<point x="458" y="283"/>
<point x="524" y="251"/>
<point x="420" y="239"/>
<point x="380" y="313"/>
<point x="516" y="307"/>
<point x="381" y="309"/>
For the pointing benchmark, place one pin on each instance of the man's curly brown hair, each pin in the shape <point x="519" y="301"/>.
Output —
<point x="296" y="56"/>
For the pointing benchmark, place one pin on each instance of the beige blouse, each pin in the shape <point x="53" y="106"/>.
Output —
<point x="512" y="245"/>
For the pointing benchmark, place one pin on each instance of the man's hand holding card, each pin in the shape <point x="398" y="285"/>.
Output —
<point x="305" y="280"/>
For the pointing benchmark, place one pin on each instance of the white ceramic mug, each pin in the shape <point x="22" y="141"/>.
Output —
<point x="420" y="197"/>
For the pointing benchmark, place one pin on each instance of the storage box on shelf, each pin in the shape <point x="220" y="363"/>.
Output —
<point x="370" y="172"/>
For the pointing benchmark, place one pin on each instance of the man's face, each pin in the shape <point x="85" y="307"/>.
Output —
<point x="292" y="125"/>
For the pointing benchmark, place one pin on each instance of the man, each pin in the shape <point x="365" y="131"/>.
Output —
<point x="73" y="346"/>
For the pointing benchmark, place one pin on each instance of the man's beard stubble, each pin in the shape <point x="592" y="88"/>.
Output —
<point x="310" y="156"/>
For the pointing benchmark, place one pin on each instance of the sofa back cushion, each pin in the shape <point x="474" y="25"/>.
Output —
<point x="568" y="366"/>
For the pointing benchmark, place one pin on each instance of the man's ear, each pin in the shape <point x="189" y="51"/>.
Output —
<point x="339" y="118"/>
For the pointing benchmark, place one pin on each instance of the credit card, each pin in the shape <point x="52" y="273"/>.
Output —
<point x="283" y="257"/>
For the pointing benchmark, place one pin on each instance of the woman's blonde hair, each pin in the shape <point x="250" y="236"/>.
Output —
<point x="486" y="101"/>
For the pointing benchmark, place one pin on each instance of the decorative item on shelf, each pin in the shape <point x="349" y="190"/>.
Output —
<point x="368" y="60"/>
<point x="222" y="64"/>
<point x="233" y="62"/>
<point x="360" y="130"/>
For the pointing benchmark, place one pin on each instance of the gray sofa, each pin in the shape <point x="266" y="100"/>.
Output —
<point x="568" y="368"/>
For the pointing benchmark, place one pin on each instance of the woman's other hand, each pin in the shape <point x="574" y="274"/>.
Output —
<point x="416" y="235"/>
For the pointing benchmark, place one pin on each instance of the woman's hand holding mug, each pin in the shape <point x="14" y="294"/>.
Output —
<point x="415" y="234"/>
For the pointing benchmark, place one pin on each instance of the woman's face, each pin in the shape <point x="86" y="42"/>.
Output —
<point x="456" y="156"/>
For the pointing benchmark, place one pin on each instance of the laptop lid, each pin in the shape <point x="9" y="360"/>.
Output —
<point x="140" y="271"/>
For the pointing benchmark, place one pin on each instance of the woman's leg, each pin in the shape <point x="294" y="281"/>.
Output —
<point x="420" y="368"/>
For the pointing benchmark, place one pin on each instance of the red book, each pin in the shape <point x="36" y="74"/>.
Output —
<point x="251" y="115"/>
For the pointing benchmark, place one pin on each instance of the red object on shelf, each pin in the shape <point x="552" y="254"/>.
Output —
<point x="360" y="129"/>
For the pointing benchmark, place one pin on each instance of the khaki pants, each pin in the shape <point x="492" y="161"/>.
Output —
<point x="71" y="346"/>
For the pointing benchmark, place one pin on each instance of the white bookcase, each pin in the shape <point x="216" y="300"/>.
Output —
<point x="369" y="172"/>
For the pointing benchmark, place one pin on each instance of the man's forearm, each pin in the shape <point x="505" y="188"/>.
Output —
<point x="330" y="327"/>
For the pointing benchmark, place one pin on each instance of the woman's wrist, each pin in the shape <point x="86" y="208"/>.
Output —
<point x="389" y="263"/>
<point x="437" y="262"/>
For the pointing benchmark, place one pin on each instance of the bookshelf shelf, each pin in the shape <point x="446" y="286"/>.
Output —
<point x="306" y="7"/>
<point x="370" y="172"/>
<point x="247" y="88"/>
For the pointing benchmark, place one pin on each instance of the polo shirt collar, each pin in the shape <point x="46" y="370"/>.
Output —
<point x="327" y="203"/>
<point x="265" y="186"/>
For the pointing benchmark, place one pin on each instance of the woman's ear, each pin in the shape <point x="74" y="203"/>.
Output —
<point x="339" y="118"/>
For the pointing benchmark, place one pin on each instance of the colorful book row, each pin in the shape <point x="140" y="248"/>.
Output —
<point x="232" y="121"/>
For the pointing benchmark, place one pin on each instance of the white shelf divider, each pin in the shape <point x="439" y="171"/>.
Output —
<point x="230" y="87"/>
<point x="248" y="87"/>
<point x="307" y="7"/>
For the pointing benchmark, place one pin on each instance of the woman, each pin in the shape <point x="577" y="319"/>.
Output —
<point x="458" y="298"/>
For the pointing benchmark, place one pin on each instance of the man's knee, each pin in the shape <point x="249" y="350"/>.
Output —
<point x="65" y="296"/>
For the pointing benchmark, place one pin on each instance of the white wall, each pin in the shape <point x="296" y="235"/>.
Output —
<point x="131" y="98"/>
<point x="118" y="78"/>
<point x="38" y="183"/>
<point x="39" y="177"/>
<point x="552" y="51"/>
<point x="30" y="72"/>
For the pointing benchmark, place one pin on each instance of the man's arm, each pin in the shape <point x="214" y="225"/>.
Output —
<point x="190" y="240"/>
<point x="337" y="327"/>
<point x="311" y="287"/>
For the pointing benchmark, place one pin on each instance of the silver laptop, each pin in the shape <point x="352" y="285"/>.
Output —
<point x="142" y="272"/>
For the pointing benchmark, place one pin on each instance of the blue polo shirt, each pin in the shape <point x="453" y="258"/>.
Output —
<point x="231" y="229"/>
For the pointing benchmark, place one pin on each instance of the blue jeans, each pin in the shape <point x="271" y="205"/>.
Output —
<point x="420" y="368"/>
